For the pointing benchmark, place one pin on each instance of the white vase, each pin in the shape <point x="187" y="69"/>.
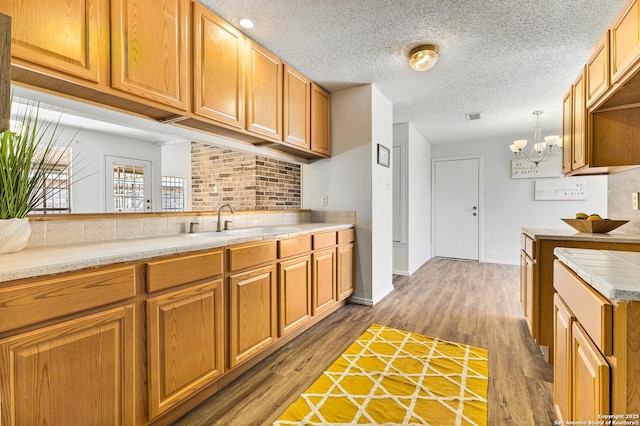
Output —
<point x="14" y="234"/>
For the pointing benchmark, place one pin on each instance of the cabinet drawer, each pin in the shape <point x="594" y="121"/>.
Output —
<point x="248" y="255"/>
<point x="168" y="273"/>
<point x="43" y="300"/>
<point x="594" y="312"/>
<point x="294" y="246"/>
<point x="346" y="236"/>
<point x="528" y="244"/>
<point x="325" y="239"/>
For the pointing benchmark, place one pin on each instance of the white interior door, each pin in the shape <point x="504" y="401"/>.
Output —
<point x="456" y="208"/>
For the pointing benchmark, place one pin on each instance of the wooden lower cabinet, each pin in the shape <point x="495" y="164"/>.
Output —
<point x="323" y="280"/>
<point x="345" y="271"/>
<point x="294" y="294"/>
<point x="78" y="372"/>
<point x="529" y="293"/>
<point x="185" y="333"/>
<point x="537" y="276"/>
<point x="590" y="388"/>
<point x="596" y="358"/>
<point x="562" y="360"/>
<point x="252" y="313"/>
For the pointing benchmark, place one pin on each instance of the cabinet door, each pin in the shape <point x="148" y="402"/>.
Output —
<point x="531" y="297"/>
<point x="185" y="332"/>
<point x="294" y="293"/>
<point x="589" y="377"/>
<point x="323" y="281"/>
<point x="597" y="71"/>
<point x="218" y="56"/>
<point x="150" y="49"/>
<point x="579" y="146"/>
<point x="320" y="120"/>
<point x="79" y="372"/>
<point x="563" y="320"/>
<point x="71" y="37"/>
<point x="252" y="313"/>
<point x="523" y="282"/>
<point x="625" y="41"/>
<point x="264" y="92"/>
<point x="345" y="271"/>
<point x="297" y="104"/>
<point x="567" y="131"/>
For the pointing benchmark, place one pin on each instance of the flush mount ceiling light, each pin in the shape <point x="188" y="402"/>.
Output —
<point x="541" y="149"/>
<point x="247" y="23"/>
<point x="423" y="57"/>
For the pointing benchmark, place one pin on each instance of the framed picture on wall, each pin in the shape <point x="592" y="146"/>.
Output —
<point x="383" y="155"/>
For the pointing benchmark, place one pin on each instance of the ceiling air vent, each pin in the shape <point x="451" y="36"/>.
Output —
<point x="473" y="116"/>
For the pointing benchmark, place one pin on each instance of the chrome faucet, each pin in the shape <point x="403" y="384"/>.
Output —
<point x="219" y="229"/>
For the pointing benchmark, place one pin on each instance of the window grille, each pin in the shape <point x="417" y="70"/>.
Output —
<point x="54" y="193"/>
<point x="128" y="188"/>
<point x="172" y="194"/>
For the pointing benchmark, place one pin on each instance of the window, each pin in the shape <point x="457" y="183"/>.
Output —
<point x="172" y="194"/>
<point x="55" y="192"/>
<point x="128" y="185"/>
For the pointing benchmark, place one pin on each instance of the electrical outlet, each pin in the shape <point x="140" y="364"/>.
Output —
<point x="634" y="200"/>
<point x="325" y="200"/>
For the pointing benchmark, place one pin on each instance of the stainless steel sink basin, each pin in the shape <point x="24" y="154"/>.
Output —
<point x="256" y="230"/>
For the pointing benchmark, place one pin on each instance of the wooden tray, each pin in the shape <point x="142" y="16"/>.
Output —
<point x="594" y="226"/>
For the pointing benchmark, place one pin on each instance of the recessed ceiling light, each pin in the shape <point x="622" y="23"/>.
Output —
<point x="247" y="23"/>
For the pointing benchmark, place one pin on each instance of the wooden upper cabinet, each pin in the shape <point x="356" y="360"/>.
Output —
<point x="579" y="148"/>
<point x="218" y="71"/>
<point x="567" y="131"/>
<point x="264" y="92"/>
<point x="70" y="37"/>
<point x="625" y="41"/>
<point x="597" y="72"/>
<point x="297" y="114"/>
<point x="320" y="120"/>
<point x="150" y="49"/>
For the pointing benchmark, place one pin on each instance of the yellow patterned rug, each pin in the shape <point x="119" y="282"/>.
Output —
<point x="390" y="377"/>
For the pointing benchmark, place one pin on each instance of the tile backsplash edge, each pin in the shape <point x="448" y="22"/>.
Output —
<point x="58" y="232"/>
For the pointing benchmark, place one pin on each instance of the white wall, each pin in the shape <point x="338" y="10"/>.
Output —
<point x="414" y="249"/>
<point x="509" y="205"/>
<point x="351" y="177"/>
<point x="89" y="150"/>
<point x="176" y="162"/>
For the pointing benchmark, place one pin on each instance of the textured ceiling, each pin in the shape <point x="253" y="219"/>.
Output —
<point x="503" y="58"/>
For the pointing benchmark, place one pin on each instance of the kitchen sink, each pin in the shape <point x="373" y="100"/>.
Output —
<point x="256" y="230"/>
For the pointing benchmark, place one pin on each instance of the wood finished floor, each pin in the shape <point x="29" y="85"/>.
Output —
<point x="473" y="303"/>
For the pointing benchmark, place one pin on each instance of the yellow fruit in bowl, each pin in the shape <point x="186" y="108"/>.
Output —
<point x="594" y="217"/>
<point x="581" y="215"/>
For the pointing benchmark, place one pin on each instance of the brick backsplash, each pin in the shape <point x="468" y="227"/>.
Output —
<point x="246" y="181"/>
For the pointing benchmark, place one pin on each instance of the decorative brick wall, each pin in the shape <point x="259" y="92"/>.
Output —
<point x="246" y="181"/>
<point x="277" y="184"/>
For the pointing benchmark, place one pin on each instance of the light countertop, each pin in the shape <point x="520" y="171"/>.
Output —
<point x="32" y="262"/>
<point x="614" y="274"/>
<point x="572" y="235"/>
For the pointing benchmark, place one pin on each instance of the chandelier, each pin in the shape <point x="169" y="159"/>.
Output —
<point x="541" y="149"/>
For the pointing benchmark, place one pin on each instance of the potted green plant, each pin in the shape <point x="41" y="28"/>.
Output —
<point x="28" y="156"/>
